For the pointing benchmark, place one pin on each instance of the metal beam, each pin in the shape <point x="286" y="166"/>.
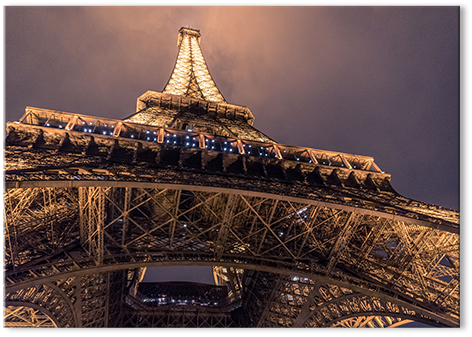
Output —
<point x="444" y="226"/>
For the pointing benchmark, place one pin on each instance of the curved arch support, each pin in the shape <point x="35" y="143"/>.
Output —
<point x="409" y="311"/>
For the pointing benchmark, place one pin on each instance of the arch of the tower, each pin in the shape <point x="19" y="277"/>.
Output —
<point x="106" y="296"/>
<point x="70" y="247"/>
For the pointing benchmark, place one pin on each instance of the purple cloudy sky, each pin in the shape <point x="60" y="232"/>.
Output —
<point x="376" y="81"/>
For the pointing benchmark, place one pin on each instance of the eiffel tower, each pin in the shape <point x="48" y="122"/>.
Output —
<point x="295" y="236"/>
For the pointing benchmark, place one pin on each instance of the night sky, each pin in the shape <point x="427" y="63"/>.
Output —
<point x="375" y="81"/>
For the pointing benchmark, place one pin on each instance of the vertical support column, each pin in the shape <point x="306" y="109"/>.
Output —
<point x="82" y="214"/>
<point x="107" y="299"/>
<point x="100" y="199"/>
<point x="92" y="220"/>
<point x="223" y="232"/>
<point x="175" y="216"/>
<point x="78" y="300"/>
<point x="126" y="204"/>
<point x="11" y="249"/>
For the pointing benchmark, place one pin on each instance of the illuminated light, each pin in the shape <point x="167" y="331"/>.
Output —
<point x="60" y="126"/>
<point x="224" y="149"/>
<point x="187" y="137"/>
<point x="104" y="132"/>
<point x="185" y="225"/>
<point x="112" y="126"/>
<point x="281" y="233"/>
<point x="226" y="142"/>
<point x="302" y="210"/>
<point x="212" y="147"/>
<point x="175" y="142"/>
<point x="189" y="130"/>
<point x="244" y="145"/>
<point x="175" y="135"/>
<point x="186" y="144"/>
<point x="168" y="141"/>
<point x="193" y="138"/>
<point x="249" y="152"/>
<point x="47" y="124"/>
<point x="105" y="125"/>
<point x="206" y="140"/>
<point x="193" y="144"/>
<point x="155" y="132"/>
<point x="213" y="140"/>
<point x="155" y="139"/>
<point x="147" y="138"/>
<point x="111" y="133"/>
<point x="147" y="131"/>
<point x="230" y="150"/>
<point x="295" y="278"/>
<point x="83" y="122"/>
<point x="298" y="159"/>
<point x="167" y="135"/>
<point x="250" y="146"/>
<point x="310" y="161"/>
<point x="132" y="136"/>
<point x="91" y="123"/>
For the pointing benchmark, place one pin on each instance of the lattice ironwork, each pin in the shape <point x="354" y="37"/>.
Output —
<point x="299" y="237"/>
<point x="191" y="76"/>
<point x="18" y="316"/>
<point x="413" y="263"/>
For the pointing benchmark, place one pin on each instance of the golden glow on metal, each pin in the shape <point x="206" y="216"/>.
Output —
<point x="191" y="76"/>
<point x="25" y="317"/>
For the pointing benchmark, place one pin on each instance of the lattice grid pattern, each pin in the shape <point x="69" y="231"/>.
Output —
<point x="140" y="225"/>
<point x="191" y="76"/>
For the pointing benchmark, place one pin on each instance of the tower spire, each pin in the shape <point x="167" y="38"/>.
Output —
<point x="190" y="76"/>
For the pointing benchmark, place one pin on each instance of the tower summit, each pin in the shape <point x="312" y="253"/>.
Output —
<point x="192" y="101"/>
<point x="191" y="77"/>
